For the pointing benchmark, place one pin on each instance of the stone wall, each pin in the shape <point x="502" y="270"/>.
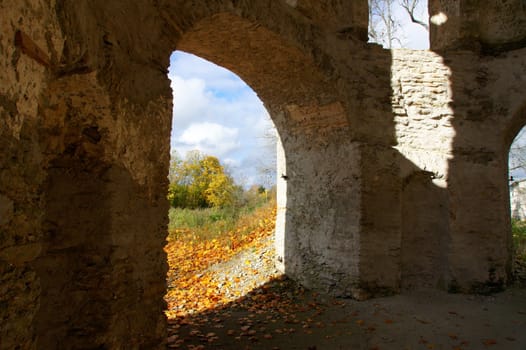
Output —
<point x="23" y="73"/>
<point x="320" y="248"/>
<point x="83" y="205"/>
<point x="447" y="110"/>
<point x="103" y="223"/>
<point x="393" y="173"/>
<point x="491" y="25"/>
<point x="421" y="101"/>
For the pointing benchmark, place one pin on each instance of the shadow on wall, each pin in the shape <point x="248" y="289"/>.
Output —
<point x="364" y="215"/>
<point x="361" y="218"/>
<point x="477" y="184"/>
<point x="424" y="231"/>
<point x="101" y="264"/>
<point x="477" y="45"/>
<point x="76" y="257"/>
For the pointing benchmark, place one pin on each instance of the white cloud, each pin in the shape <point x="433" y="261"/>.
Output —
<point x="191" y="101"/>
<point x="217" y="113"/>
<point x="195" y="101"/>
<point x="209" y="138"/>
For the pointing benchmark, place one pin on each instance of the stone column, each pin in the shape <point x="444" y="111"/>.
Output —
<point x="321" y="235"/>
<point x="380" y="224"/>
<point x="102" y="268"/>
<point x="479" y="218"/>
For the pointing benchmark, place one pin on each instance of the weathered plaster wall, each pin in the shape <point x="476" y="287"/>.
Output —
<point x="421" y="105"/>
<point x="371" y="118"/>
<point x="321" y="247"/>
<point x="452" y="112"/>
<point x="484" y="106"/>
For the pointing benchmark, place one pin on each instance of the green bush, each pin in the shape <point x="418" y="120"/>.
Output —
<point x="200" y="181"/>
<point x="518" y="229"/>
<point x="205" y="223"/>
<point x="210" y="223"/>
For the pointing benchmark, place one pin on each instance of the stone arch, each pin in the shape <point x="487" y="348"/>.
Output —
<point x="279" y="71"/>
<point x="98" y="141"/>
<point x="307" y="111"/>
<point x="106" y="113"/>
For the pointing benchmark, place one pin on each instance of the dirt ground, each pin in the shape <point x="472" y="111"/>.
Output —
<point x="275" y="313"/>
<point x="282" y="315"/>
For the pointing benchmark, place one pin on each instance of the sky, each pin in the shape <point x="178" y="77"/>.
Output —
<point x="216" y="113"/>
<point x="414" y="36"/>
<point x="411" y="35"/>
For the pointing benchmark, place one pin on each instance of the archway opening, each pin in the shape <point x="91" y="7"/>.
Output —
<point x="517" y="187"/>
<point x="300" y="99"/>
<point x="222" y="189"/>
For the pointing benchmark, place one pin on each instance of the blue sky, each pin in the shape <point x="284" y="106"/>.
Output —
<point x="216" y="113"/>
<point x="414" y="35"/>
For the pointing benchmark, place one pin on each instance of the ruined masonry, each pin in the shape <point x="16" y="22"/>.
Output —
<point x="396" y="161"/>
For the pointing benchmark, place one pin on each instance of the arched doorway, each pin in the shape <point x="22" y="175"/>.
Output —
<point x="299" y="98"/>
<point x="104" y="197"/>
<point x="222" y="189"/>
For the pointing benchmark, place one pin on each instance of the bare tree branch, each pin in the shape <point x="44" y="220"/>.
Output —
<point x="410" y="6"/>
<point x="517" y="154"/>
<point x="384" y="28"/>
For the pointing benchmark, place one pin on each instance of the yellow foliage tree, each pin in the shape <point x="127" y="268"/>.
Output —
<point x="200" y="181"/>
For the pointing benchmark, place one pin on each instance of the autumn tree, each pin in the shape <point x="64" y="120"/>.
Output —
<point x="200" y="181"/>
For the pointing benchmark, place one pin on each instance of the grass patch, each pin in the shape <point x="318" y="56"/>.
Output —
<point x="518" y="229"/>
<point x="211" y="223"/>
<point x="207" y="221"/>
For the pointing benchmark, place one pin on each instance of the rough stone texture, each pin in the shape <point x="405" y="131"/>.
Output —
<point x="103" y="227"/>
<point x="446" y="129"/>
<point x="490" y="25"/>
<point x="393" y="172"/>
<point x="21" y="166"/>
<point x="321" y="247"/>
